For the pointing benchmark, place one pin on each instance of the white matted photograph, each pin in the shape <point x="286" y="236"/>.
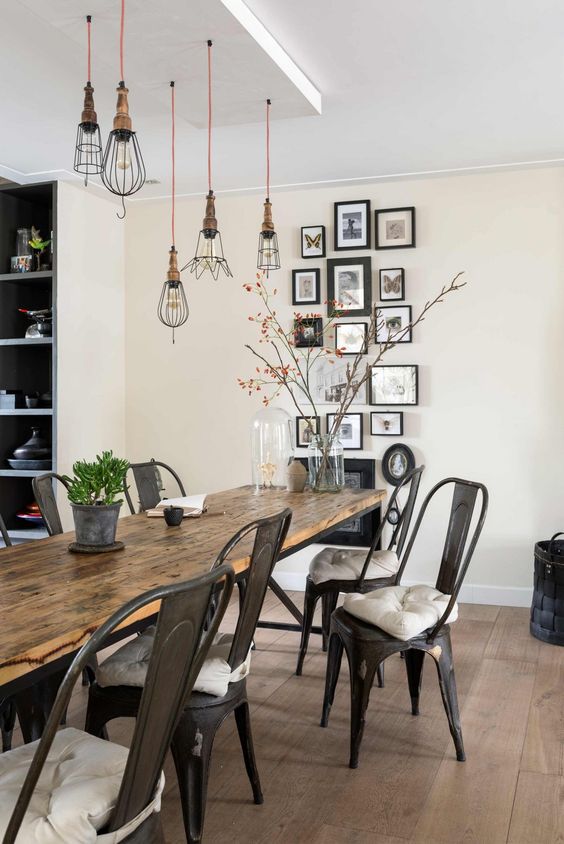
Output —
<point x="306" y="429"/>
<point x="313" y="241"/>
<point x="393" y="322"/>
<point x="391" y="384"/>
<point x="386" y="424"/>
<point x="328" y="382"/>
<point x="350" y="337"/>
<point x="395" y="228"/>
<point x="306" y="287"/>
<point x="352" y="225"/>
<point x="392" y="285"/>
<point x="350" y="430"/>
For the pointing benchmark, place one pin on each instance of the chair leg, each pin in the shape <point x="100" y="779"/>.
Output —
<point x="442" y="654"/>
<point x="380" y="675"/>
<point x="334" y="658"/>
<point x="242" y="587"/>
<point x="243" y="719"/>
<point x="310" y="601"/>
<point x="362" y="670"/>
<point x="414" y="667"/>
<point x="8" y="721"/>
<point x="328" y="605"/>
<point x="98" y="715"/>
<point x="191" y="750"/>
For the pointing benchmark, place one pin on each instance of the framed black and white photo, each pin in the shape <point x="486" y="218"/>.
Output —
<point x="393" y="322"/>
<point x="313" y="241"/>
<point x="350" y="430"/>
<point x="394" y="385"/>
<point x="352" y="225"/>
<point x="395" y="228"/>
<point x="306" y="287"/>
<point x="349" y="286"/>
<point x="308" y="332"/>
<point x="328" y="381"/>
<point x="386" y="424"/>
<point x="392" y="285"/>
<point x="350" y="337"/>
<point x="306" y="428"/>
<point x="397" y="462"/>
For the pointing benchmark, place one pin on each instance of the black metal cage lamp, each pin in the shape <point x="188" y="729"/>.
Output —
<point x="88" y="145"/>
<point x="268" y="256"/>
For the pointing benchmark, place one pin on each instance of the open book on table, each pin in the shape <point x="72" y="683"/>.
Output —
<point x="194" y="505"/>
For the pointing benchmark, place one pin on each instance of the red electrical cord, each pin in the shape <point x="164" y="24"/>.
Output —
<point x="88" y="25"/>
<point x="268" y="149"/>
<point x="121" y="39"/>
<point x="209" y="115"/>
<point x="173" y="163"/>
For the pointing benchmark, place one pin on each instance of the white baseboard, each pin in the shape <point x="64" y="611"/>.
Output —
<point x="471" y="593"/>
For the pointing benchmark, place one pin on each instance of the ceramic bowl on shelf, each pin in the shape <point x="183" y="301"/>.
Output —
<point x="34" y="465"/>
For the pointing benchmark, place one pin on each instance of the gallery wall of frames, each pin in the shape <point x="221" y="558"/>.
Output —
<point x="319" y="282"/>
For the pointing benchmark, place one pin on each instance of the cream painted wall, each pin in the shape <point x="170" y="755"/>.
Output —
<point x="491" y="358"/>
<point x="91" y="316"/>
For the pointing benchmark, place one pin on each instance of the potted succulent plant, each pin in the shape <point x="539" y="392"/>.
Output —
<point x="94" y="496"/>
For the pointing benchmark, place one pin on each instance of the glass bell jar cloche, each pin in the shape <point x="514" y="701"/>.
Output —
<point x="271" y="447"/>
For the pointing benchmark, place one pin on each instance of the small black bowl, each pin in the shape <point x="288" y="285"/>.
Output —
<point x="173" y="515"/>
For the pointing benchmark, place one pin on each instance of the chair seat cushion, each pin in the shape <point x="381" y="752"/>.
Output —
<point x="76" y="792"/>
<point x="128" y="665"/>
<point x="339" y="564"/>
<point x="402" y="611"/>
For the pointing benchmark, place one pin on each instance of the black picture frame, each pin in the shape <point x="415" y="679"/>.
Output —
<point x="392" y="476"/>
<point x="333" y="265"/>
<point x="308" y="332"/>
<point x="328" y="422"/>
<point x="342" y="326"/>
<point x="316" y="298"/>
<point x="385" y="433"/>
<point x="391" y="403"/>
<point x="382" y="336"/>
<point x="299" y="442"/>
<point x="358" y="531"/>
<point x="340" y="238"/>
<point x="385" y="279"/>
<point x="303" y="242"/>
<point x="380" y="243"/>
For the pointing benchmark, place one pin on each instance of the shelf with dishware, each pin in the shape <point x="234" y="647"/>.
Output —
<point x="27" y="341"/>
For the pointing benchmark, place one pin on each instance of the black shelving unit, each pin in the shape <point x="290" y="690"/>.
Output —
<point x="25" y="364"/>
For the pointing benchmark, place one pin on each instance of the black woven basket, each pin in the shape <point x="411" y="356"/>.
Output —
<point x="547" y="609"/>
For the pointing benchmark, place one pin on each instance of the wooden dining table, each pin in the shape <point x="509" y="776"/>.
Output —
<point x="51" y="600"/>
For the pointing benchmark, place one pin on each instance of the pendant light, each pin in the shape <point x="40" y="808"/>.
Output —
<point x="88" y="147"/>
<point x="209" y="250"/>
<point x="123" y="168"/>
<point x="268" y="257"/>
<point x="173" y="307"/>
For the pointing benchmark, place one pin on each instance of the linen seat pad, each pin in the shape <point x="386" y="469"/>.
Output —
<point x="339" y="564"/>
<point x="402" y="611"/>
<point x="76" y="792"/>
<point x="128" y="665"/>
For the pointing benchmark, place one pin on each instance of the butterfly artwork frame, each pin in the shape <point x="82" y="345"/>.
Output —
<point x="313" y="242"/>
<point x="392" y="284"/>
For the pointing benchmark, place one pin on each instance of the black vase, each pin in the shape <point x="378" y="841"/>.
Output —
<point x="36" y="448"/>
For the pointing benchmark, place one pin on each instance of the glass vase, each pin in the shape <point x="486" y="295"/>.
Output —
<point x="326" y="463"/>
<point x="271" y="448"/>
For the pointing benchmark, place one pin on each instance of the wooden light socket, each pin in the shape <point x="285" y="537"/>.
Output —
<point x="88" y="112"/>
<point x="173" y="273"/>
<point x="267" y="224"/>
<point x="210" y="221"/>
<point x="122" y="120"/>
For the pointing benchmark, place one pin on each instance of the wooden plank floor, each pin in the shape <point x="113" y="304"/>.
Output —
<point x="409" y="786"/>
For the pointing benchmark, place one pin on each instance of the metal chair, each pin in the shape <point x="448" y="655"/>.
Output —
<point x="180" y="647"/>
<point x="204" y="712"/>
<point x="149" y="483"/>
<point x="367" y="645"/>
<point x="328" y="590"/>
<point x="4" y="533"/>
<point x="45" y="498"/>
<point x="7" y="705"/>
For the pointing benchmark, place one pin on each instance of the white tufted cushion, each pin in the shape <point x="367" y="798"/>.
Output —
<point x="128" y="665"/>
<point x="75" y="794"/>
<point x="402" y="611"/>
<point x="338" y="564"/>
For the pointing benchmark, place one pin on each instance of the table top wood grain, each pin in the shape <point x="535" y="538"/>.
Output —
<point x="52" y="600"/>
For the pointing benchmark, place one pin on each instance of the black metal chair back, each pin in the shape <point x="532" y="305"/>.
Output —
<point x="458" y="550"/>
<point x="401" y="529"/>
<point x="180" y="647"/>
<point x="4" y="533"/>
<point x="270" y="534"/>
<point x="149" y="483"/>
<point x="45" y="497"/>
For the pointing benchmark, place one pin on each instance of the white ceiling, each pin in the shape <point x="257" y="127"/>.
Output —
<point x="407" y="87"/>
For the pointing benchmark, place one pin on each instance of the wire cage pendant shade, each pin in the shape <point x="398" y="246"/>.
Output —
<point x="123" y="171"/>
<point x="268" y="255"/>
<point x="88" y="144"/>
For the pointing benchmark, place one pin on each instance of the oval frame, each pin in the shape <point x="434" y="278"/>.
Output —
<point x="394" y="449"/>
